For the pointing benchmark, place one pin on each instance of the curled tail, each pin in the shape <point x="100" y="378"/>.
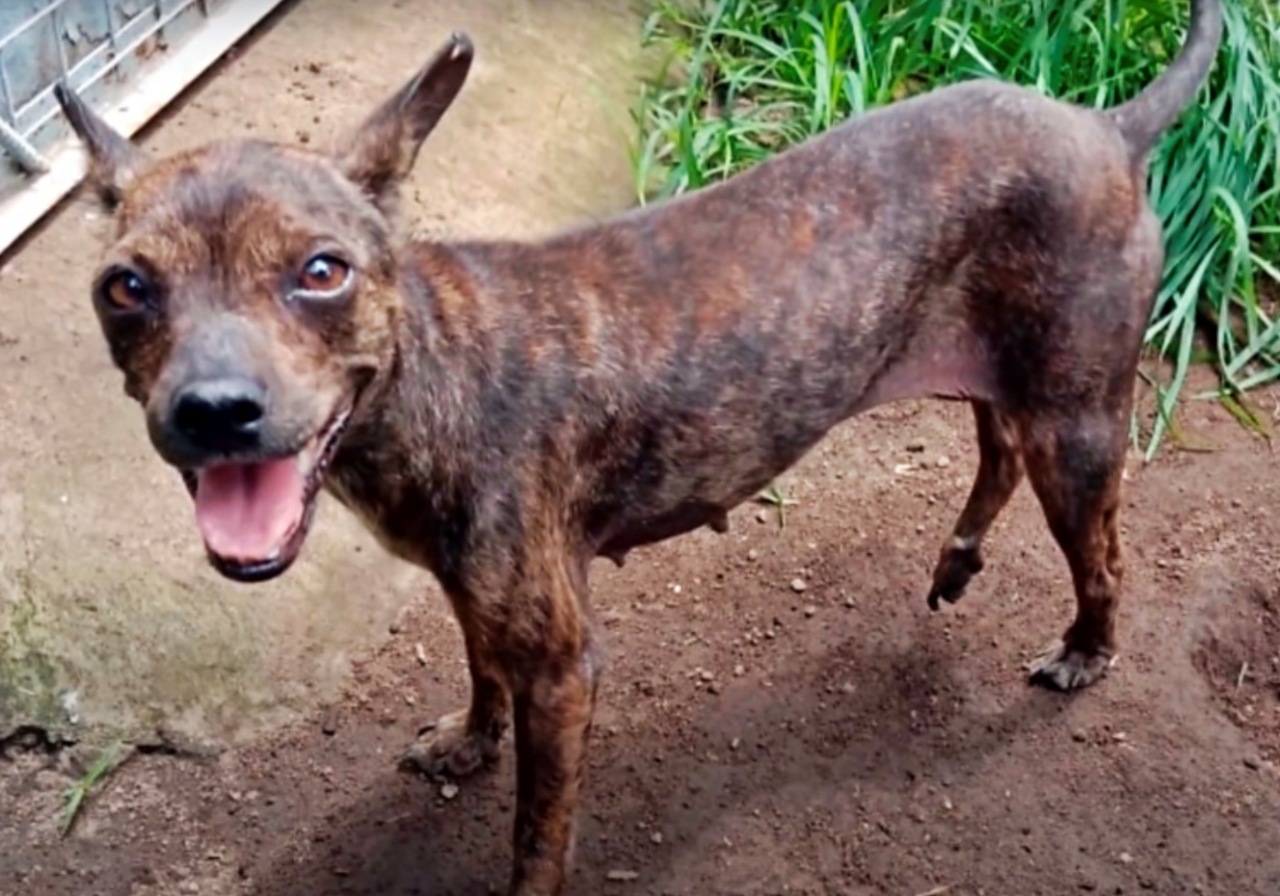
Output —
<point x="1145" y="117"/>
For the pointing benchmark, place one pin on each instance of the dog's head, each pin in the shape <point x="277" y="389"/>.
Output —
<point x="249" y="297"/>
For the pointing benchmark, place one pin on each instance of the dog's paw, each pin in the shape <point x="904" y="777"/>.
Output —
<point x="449" y="749"/>
<point x="1065" y="668"/>
<point x="957" y="565"/>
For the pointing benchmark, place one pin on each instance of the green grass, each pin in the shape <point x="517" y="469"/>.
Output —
<point x="108" y="760"/>
<point x="775" y="497"/>
<point x="747" y="78"/>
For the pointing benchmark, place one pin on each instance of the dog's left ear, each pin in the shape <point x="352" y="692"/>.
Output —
<point x="381" y="153"/>
<point x="114" y="161"/>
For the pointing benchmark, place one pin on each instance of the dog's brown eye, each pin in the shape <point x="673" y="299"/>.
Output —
<point x="324" y="274"/>
<point x="125" y="291"/>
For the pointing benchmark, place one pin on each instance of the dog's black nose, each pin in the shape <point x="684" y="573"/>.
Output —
<point x="220" y="415"/>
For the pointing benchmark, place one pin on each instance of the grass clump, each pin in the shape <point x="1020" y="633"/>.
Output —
<point x="747" y="78"/>
<point x="74" y="799"/>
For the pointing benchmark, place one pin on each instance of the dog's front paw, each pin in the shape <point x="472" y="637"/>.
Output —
<point x="450" y="748"/>
<point x="957" y="565"/>
<point x="1066" y="668"/>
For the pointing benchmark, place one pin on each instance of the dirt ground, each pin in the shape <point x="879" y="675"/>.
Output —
<point x="758" y="740"/>
<point x="782" y="714"/>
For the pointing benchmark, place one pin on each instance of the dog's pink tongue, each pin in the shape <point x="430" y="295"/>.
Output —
<point x="245" y="511"/>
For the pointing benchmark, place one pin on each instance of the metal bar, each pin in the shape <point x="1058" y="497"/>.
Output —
<point x="121" y="53"/>
<point x="28" y="24"/>
<point x="111" y="24"/>
<point x="154" y="87"/>
<point x="10" y="115"/>
<point x="54" y="22"/>
<point x="22" y="152"/>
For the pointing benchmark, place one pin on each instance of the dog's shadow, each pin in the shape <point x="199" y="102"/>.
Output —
<point x="658" y="791"/>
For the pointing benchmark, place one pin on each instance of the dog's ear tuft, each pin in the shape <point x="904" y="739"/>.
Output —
<point x="114" y="161"/>
<point x="381" y="153"/>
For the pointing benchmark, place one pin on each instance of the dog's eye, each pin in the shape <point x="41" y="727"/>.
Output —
<point x="324" y="275"/>
<point x="125" y="291"/>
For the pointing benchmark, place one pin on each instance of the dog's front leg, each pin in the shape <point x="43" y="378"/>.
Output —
<point x="553" y="692"/>
<point x="467" y="740"/>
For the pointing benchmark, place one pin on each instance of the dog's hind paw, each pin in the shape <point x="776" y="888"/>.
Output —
<point x="1065" y="668"/>
<point x="957" y="565"/>
<point x="449" y="748"/>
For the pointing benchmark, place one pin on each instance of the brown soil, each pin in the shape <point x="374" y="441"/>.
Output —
<point x="753" y="739"/>
<point x="757" y="739"/>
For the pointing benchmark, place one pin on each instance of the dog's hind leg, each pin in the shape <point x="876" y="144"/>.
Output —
<point x="465" y="741"/>
<point x="1076" y="464"/>
<point x="1000" y="469"/>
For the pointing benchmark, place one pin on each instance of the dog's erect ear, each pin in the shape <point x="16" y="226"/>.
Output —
<point x="114" y="161"/>
<point x="381" y="153"/>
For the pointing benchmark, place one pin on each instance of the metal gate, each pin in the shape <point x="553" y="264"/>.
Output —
<point x="127" y="58"/>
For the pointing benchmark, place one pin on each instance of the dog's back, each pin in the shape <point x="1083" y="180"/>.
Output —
<point x="906" y="253"/>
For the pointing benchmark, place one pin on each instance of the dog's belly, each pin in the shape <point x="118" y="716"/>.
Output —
<point x="683" y="518"/>
<point x="956" y="369"/>
<point x="751" y="451"/>
<point x="692" y="493"/>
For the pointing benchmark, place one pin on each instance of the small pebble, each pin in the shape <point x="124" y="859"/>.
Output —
<point x="619" y="876"/>
<point x="1252" y="762"/>
<point x="810" y="610"/>
<point x="798" y="585"/>
<point x="943" y="462"/>
<point x="655" y="837"/>
<point x="915" y="446"/>
<point x="762" y="516"/>
<point x="1126" y="858"/>
<point x="753" y="555"/>
<point x="739" y="670"/>
<point x="449" y="791"/>
<point x="330" y="723"/>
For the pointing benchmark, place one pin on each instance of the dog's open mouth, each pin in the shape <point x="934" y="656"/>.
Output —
<point x="254" y="515"/>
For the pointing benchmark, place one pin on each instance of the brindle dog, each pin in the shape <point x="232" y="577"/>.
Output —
<point x="501" y="413"/>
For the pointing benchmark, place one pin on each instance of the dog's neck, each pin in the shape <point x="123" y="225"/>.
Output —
<point x="419" y="444"/>
<point x="435" y="371"/>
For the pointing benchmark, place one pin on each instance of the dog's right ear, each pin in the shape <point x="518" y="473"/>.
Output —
<point x="114" y="161"/>
<point x="380" y="154"/>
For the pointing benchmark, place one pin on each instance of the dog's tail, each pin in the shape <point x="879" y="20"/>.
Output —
<point x="1145" y="117"/>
